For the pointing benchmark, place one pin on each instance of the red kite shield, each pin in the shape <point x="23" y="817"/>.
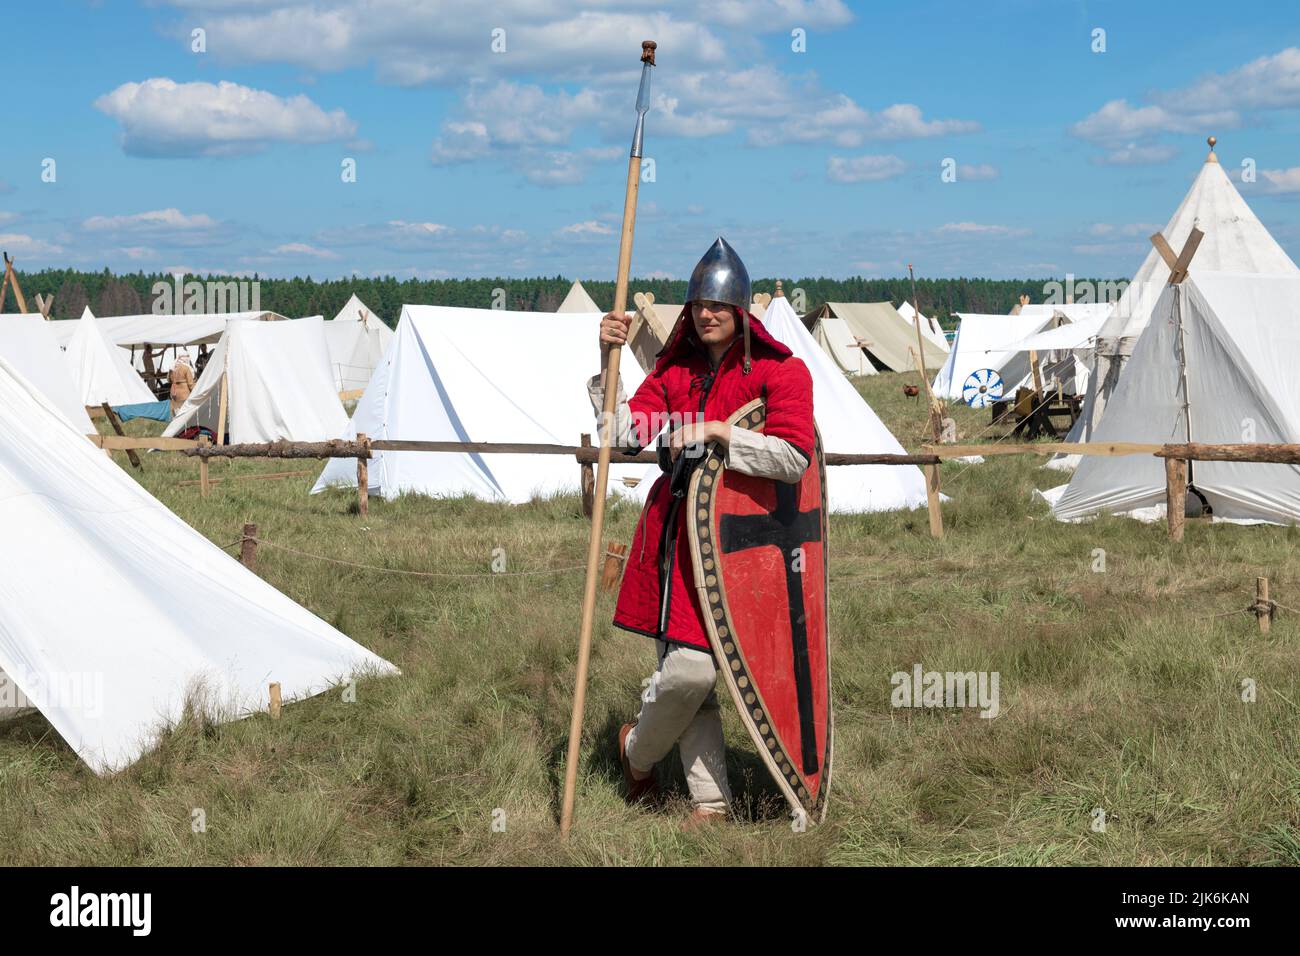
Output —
<point x="759" y="550"/>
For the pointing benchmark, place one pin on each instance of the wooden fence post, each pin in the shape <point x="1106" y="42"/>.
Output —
<point x="614" y="553"/>
<point x="932" y="500"/>
<point x="587" y="480"/>
<point x="1263" y="606"/>
<point x="248" y="547"/>
<point x="204" y="486"/>
<point x="363" y="478"/>
<point x="1176" y="496"/>
<point x="275" y="701"/>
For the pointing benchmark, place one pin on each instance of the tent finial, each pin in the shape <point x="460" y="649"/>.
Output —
<point x="779" y="293"/>
<point x="1212" y="158"/>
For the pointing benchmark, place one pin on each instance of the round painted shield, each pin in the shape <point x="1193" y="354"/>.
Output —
<point x="982" y="388"/>
<point x="759" y="553"/>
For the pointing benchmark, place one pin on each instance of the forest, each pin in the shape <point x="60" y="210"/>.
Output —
<point x="132" y="293"/>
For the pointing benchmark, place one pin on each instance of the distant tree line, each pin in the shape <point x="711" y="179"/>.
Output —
<point x="131" y="294"/>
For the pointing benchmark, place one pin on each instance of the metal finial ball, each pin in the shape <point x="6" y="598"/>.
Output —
<point x="1212" y="140"/>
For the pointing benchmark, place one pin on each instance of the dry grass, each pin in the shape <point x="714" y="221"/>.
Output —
<point x="1119" y="690"/>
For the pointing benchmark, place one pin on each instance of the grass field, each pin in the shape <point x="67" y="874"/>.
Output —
<point x="1120" y="690"/>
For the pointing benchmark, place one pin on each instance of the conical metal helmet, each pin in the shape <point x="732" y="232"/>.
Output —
<point x="720" y="277"/>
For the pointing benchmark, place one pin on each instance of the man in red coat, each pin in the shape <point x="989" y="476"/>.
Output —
<point x="718" y="358"/>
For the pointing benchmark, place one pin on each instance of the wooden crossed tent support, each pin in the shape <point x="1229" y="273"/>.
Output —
<point x="1178" y="471"/>
<point x="43" y="303"/>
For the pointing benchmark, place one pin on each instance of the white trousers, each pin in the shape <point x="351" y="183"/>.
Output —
<point x="680" y="706"/>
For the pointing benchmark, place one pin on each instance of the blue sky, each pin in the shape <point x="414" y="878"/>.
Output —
<point x="472" y="162"/>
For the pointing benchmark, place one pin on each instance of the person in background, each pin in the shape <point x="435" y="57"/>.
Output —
<point x="182" y="382"/>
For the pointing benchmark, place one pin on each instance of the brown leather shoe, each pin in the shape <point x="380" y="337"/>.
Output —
<point x="699" y="819"/>
<point x="636" y="791"/>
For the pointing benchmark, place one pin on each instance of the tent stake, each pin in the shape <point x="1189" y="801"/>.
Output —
<point x="614" y="553"/>
<point x="1263" y="606"/>
<point x="248" y="547"/>
<point x="117" y="427"/>
<point x="275" y="701"/>
<point x="612" y="356"/>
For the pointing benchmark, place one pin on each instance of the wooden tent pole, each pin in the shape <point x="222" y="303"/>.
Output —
<point x="612" y="357"/>
<point x="222" y="403"/>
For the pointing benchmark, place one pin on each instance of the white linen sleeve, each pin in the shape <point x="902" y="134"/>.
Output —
<point x="765" y="456"/>
<point x="622" y="413"/>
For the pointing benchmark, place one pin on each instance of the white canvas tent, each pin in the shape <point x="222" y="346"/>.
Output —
<point x="1235" y="241"/>
<point x="144" y="611"/>
<point x="1242" y="335"/>
<point x="357" y="340"/>
<point x="930" y="327"/>
<point x="578" y="301"/>
<point x="28" y="344"/>
<point x="848" y="425"/>
<point x="879" y="329"/>
<point x="986" y="341"/>
<point x="483" y="375"/>
<point x="102" y="372"/>
<point x="835" y="338"/>
<point x="277" y="384"/>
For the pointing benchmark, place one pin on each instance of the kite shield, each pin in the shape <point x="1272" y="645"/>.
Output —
<point x="759" y="553"/>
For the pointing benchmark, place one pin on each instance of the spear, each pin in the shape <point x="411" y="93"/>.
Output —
<point x="612" y="356"/>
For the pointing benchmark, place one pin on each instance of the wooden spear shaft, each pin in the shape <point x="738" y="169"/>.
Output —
<point x="612" y="357"/>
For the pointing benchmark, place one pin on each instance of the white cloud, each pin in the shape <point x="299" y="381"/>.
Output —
<point x="160" y="117"/>
<point x="1136" y="154"/>
<point x="587" y="228"/>
<point x="863" y="169"/>
<point x="1280" y="181"/>
<point x="170" y="218"/>
<point x="982" y="229"/>
<point x="160" y="227"/>
<point x="19" y="245"/>
<point x="302" y="249"/>
<point x="978" y="172"/>
<point x="1267" y="83"/>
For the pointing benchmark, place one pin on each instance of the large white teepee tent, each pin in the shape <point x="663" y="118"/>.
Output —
<point x="276" y="382"/>
<point x="357" y="340"/>
<point x="144" y="612"/>
<point x="848" y="425"/>
<point x="28" y="344"/>
<point x="1235" y="241"/>
<point x="482" y="375"/>
<point x="1242" y="335"/>
<point x="102" y="372"/>
<point x="578" y="301"/>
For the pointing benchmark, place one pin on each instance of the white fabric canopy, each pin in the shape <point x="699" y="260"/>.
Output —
<point x="483" y="375"/>
<point x="357" y="340"/>
<point x="985" y="341"/>
<point x="1243" y="343"/>
<point x="159" y="330"/>
<point x="280" y="385"/>
<point x="28" y="344"/>
<point x="849" y="425"/>
<point x="143" y="611"/>
<point x="102" y="372"/>
<point x="1071" y="335"/>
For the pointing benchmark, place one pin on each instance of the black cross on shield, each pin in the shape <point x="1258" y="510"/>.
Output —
<point x="788" y="529"/>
